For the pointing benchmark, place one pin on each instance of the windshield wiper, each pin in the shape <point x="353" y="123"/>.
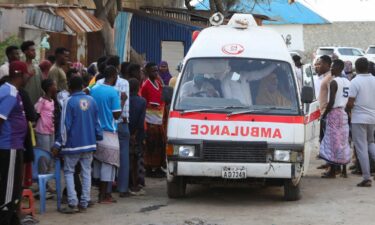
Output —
<point x="214" y="109"/>
<point x="257" y="110"/>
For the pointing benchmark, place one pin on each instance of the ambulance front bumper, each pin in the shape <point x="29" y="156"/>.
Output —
<point x="215" y="169"/>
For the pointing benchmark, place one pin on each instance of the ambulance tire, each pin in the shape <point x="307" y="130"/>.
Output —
<point x="292" y="192"/>
<point x="176" y="188"/>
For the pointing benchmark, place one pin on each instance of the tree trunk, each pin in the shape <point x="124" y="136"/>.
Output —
<point x="219" y="6"/>
<point x="108" y="38"/>
<point x="212" y="6"/>
<point x="102" y="13"/>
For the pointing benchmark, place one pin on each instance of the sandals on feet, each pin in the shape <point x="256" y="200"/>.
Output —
<point x="328" y="175"/>
<point x="69" y="210"/>
<point x="365" y="183"/>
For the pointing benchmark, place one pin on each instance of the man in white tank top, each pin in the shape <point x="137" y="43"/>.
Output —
<point x="334" y="147"/>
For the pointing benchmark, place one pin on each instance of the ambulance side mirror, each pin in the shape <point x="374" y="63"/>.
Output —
<point x="307" y="94"/>
<point x="167" y="94"/>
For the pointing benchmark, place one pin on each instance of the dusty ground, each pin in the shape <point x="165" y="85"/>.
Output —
<point x="335" y="202"/>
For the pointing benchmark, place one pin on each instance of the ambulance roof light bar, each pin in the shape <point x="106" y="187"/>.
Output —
<point x="242" y="21"/>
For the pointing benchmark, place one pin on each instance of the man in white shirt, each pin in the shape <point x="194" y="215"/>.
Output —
<point x="13" y="54"/>
<point x="362" y="104"/>
<point x="317" y="79"/>
<point x="237" y="85"/>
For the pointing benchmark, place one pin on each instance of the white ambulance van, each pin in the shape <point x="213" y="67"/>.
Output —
<point x="238" y="115"/>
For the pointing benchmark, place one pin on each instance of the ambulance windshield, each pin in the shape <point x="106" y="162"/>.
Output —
<point x="233" y="84"/>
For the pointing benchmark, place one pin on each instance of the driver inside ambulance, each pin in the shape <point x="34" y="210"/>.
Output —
<point x="269" y="92"/>
<point x="199" y="87"/>
<point x="236" y="84"/>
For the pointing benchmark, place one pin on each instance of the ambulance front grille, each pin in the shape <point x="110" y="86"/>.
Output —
<point x="244" y="152"/>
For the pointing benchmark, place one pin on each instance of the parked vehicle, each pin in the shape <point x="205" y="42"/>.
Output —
<point x="370" y="53"/>
<point x="223" y="128"/>
<point x="344" y="53"/>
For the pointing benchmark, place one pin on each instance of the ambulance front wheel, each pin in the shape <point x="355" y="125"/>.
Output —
<point x="176" y="187"/>
<point x="292" y="191"/>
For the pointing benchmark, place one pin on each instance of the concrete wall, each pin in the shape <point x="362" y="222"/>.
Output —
<point x="10" y="21"/>
<point x="351" y="34"/>
<point x="135" y="4"/>
<point x="294" y="30"/>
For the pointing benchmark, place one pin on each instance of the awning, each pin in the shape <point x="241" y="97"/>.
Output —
<point x="79" y="20"/>
<point x="63" y="19"/>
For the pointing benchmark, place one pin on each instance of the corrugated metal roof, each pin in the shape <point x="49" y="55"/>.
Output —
<point x="44" y="20"/>
<point x="279" y="10"/>
<point x="79" y="21"/>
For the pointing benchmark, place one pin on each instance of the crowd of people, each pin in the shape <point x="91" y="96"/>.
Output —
<point x="347" y="115"/>
<point x="104" y="122"/>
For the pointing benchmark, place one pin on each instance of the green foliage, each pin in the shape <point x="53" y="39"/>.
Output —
<point x="12" y="40"/>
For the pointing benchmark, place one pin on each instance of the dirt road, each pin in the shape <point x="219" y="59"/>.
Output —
<point x="336" y="201"/>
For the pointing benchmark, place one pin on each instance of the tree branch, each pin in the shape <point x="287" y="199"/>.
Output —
<point x="188" y="6"/>
<point x="212" y="6"/>
<point x="110" y="4"/>
<point x="219" y="6"/>
<point x="98" y="5"/>
<point x="119" y="5"/>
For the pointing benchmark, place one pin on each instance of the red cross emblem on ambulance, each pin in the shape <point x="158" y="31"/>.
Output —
<point x="233" y="49"/>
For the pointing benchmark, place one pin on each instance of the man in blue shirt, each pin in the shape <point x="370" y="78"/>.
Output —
<point x="80" y="129"/>
<point x="13" y="128"/>
<point x="107" y="156"/>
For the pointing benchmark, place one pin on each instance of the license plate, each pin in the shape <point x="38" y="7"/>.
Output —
<point x="233" y="173"/>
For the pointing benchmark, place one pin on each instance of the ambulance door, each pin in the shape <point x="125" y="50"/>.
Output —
<point x="312" y="124"/>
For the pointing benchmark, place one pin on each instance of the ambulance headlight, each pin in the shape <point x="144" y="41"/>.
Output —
<point x="185" y="150"/>
<point x="281" y="155"/>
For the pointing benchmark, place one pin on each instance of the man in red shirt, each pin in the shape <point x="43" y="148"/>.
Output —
<point x="152" y="90"/>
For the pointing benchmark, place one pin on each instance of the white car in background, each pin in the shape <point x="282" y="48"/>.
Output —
<point x="344" y="53"/>
<point x="370" y="53"/>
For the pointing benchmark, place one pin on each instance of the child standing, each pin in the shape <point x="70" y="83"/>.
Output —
<point x="45" y="125"/>
<point x="45" y="108"/>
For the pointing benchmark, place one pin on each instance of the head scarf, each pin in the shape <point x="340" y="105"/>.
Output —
<point x="79" y="67"/>
<point x="45" y="66"/>
<point x="165" y="76"/>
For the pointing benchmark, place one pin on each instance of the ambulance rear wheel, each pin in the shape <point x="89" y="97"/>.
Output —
<point x="176" y="187"/>
<point x="292" y="191"/>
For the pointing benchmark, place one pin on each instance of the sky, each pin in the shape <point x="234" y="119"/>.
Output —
<point x="341" y="10"/>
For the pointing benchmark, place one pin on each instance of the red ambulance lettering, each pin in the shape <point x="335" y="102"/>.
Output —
<point x="245" y="131"/>
<point x="194" y="129"/>
<point x="277" y="133"/>
<point x="266" y="132"/>
<point x="235" y="133"/>
<point x="225" y="131"/>
<point x="215" y="130"/>
<point x="204" y="130"/>
<point x="255" y="131"/>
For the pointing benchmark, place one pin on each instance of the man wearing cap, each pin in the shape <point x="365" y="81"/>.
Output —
<point x="13" y="128"/>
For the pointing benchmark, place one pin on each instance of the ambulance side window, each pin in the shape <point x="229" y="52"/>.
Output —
<point x="308" y="78"/>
